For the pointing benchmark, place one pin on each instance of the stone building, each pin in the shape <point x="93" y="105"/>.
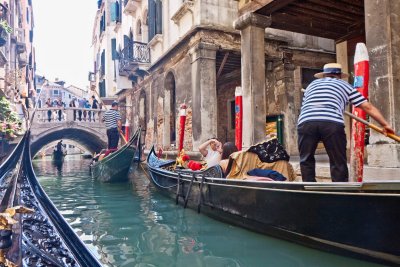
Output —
<point x="17" y="56"/>
<point x="196" y="59"/>
<point x="156" y="55"/>
<point x="346" y="22"/>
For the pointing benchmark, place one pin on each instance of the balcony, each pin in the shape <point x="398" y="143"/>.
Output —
<point x="131" y="6"/>
<point x="132" y="57"/>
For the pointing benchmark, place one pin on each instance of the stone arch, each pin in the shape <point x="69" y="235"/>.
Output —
<point x="92" y="142"/>
<point x="170" y="133"/>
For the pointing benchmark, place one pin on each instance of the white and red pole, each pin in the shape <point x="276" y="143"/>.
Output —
<point x="361" y="79"/>
<point x="182" y="121"/>
<point x="127" y="130"/>
<point x="238" y="117"/>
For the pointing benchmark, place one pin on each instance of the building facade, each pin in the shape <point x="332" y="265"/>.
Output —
<point x="17" y="54"/>
<point x="194" y="57"/>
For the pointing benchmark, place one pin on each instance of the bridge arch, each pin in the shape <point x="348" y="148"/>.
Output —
<point x="89" y="140"/>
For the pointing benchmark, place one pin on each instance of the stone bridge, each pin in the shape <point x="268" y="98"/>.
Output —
<point x="83" y="126"/>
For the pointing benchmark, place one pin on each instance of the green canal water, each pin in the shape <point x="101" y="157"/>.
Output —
<point x="131" y="224"/>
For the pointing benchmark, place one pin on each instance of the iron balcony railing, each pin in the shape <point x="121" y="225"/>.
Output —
<point x="133" y="54"/>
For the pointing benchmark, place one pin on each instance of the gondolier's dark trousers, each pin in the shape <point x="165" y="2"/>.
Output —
<point x="113" y="138"/>
<point x="334" y="139"/>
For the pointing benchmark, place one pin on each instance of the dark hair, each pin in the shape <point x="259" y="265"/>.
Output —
<point x="227" y="149"/>
<point x="114" y="104"/>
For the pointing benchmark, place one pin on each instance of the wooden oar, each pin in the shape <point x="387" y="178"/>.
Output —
<point x="120" y="133"/>
<point x="373" y="126"/>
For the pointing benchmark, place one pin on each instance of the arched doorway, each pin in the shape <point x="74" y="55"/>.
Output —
<point x="169" y="136"/>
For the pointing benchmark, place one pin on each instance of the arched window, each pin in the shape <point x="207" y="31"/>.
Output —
<point x="139" y="31"/>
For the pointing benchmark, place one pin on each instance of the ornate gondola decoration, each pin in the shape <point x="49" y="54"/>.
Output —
<point x="354" y="219"/>
<point x="115" y="167"/>
<point x="42" y="237"/>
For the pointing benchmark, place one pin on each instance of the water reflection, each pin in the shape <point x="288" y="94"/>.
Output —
<point x="133" y="225"/>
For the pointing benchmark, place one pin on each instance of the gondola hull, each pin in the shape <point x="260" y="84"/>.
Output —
<point x="115" y="167"/>
<point x="348" y="218"/>
<point x="58" y="156"/>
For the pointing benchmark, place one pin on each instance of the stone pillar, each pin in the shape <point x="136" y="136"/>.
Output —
<point x="252" y="27"/>
<point x="382" y="25"/>
<point x="204" y="92"/>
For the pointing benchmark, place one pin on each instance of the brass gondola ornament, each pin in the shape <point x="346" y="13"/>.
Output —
<point x="6" y="223"/>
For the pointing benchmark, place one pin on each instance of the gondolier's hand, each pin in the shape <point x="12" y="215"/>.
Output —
<point x="387" y="130"/>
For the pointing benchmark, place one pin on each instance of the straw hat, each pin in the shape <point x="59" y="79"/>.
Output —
<point x="332" y="68"/>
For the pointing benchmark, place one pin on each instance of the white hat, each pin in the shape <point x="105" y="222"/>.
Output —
<point x="331" y="68"/>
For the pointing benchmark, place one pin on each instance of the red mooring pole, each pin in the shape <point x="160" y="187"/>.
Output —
<point x="361" y="79"/>
<point x="238" y="117"/>
<point x="127" y="131"/>
<point x="182" y="120"/>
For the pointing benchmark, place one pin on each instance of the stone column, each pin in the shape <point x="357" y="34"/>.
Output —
<point x="204" y="92"/>
<point x="382" y="25"/>
<point x="252" y="27"/>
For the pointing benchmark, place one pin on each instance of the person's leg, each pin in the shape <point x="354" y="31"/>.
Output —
<point x="114" y="139"/>
<point x="109" y="138"/>
<point x="74" y="115"/>
<point x="59" y="115"/>
<point x="49" y="115"/>
<point x="80" y="115"/>
<point x="334" y="139"/>
<point x="308" y="138"/>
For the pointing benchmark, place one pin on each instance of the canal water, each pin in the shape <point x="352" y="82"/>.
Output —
<point x="131" y="224"/>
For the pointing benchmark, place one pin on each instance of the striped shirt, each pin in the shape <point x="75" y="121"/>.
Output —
<point x="111" y="117"/>
<point x="325" y="100"/>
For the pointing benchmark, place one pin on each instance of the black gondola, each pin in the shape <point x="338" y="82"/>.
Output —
<point x="42" y="238"/>
<point x="352" y="219"/>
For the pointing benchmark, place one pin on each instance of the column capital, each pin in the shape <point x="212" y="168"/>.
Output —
<point x="252" y="19"/>
<point x="204" y="51"/>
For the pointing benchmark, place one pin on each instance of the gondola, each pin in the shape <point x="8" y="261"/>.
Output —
<point x="351" y="219"/>
<point x="58" y="156"/>
<point x="42" y="236"/>
<point x="115" y="167"/>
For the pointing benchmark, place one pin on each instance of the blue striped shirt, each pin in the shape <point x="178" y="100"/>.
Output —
<point x="111" y="117"/>
<point x="325" y="100"/>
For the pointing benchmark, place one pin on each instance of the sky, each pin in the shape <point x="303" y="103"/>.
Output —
<point x="63" y="38"/>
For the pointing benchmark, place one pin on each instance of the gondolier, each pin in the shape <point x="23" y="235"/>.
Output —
<point x="321" y="119"/>
<point x="112" y="120"/>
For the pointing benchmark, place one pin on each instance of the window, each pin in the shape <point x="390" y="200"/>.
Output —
<point x="114" y="53"/>
<point x="38" y="91"/>
<point x="155" y="18"/>
<point x="102" y="88"/>
<point x="56" y="92"/>
<point x="115" y="13"/>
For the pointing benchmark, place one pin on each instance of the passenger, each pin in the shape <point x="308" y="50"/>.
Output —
<point x="227" y="149"/>
<point x="211" y="151"/>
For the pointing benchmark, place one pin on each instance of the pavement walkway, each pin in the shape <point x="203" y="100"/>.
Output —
<point x="370" y="173"/>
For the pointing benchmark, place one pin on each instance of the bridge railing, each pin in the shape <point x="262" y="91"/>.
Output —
<point x="67" y="114"/>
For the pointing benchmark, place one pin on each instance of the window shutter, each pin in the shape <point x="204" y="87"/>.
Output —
<point x="158" y="25"/>
<point x="103" y="63"/>
<point x="113" y="12"/>
<point x="114" y="54"/>
<point x="152" y="18"/>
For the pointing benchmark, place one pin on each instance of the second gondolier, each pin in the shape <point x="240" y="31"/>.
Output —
<point x="112" y="120"/>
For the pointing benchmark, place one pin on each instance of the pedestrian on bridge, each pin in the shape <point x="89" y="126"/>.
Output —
<point x="112" y="120"/>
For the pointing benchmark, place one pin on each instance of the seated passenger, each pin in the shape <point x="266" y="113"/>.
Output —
<point x="211" y="151"/>
<point x="227" y="149"/>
